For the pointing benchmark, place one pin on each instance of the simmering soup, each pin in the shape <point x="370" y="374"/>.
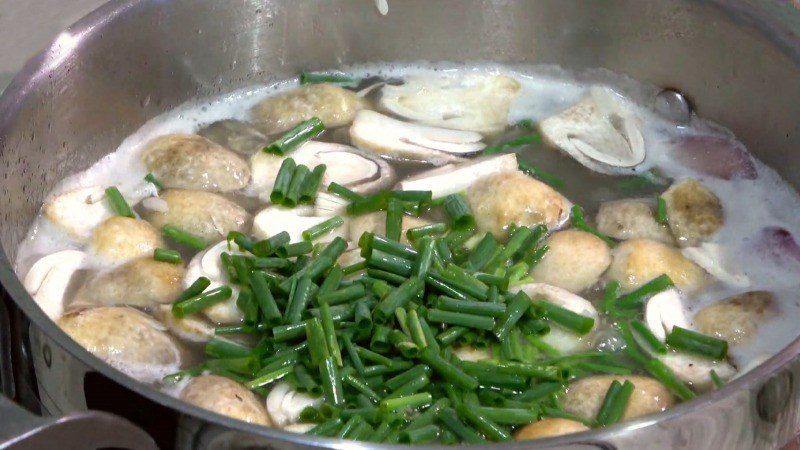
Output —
<point x="425" y="254"/>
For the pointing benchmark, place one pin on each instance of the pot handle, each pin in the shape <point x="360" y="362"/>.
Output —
<point x="23" y="430"/>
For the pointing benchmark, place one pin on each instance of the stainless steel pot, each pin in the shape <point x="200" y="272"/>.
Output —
<point x="739" y="62"/>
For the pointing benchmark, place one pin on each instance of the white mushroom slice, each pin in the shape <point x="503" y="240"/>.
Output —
<point x="330" y="205"/>
<point x="472" y="354"/>
<point x="275" y="219"/>
<point x="503" y="198"/>
<point x="602" y="132"/>
<point x="156" y="204"/>
<point x="710" y="257"/>
<point x="401" y="140"/>
<point x="49" y="277"/>
<point x="664" y="311"/>
<point x="357" y="170"/>
<point x="452" y="178"/>
<point x="227" y="397"/>
<point x="107" y="333"/>
<point x="301" y="428"/>
<point x="695" y="370"/>
<point x="191" y="328"/>
<point x="284" y="404"/>
<point x="562" y="339"/>
<point x="474" y="102"/>
<point x="79" y="211"/>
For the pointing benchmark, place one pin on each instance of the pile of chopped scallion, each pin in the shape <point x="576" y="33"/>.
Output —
<point x="376" y="338"/>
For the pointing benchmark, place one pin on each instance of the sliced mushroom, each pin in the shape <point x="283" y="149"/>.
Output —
<point x="119" y="239"/>
<point x="236" y="135"/>
<point x="451" y="178"/>
<point x="632" y="219"/>
<point x="49" y="278"/>
<point x="227" y="397"/>
<point x="694" y="212"/>
<point x="204" y="214"/>
<point x="208" y="263"/>
<point x="562" y="339"/>
<point x="79" y="211"/>
<point x="696" y="370"/>
<point x="275" y="219"/>
<point x="192" y="328"/>
<point x="375" y="222"/>
<point x="106" y="332"/>
<point x="395" y="139"/>
<point x="584" y="396"/>
<point x="710" y="257"/>
<point x="188" y="161"/>
<point x="472" y="102"/>
<point x="142" y="282"/>
<point x="637" y="261"/>
<point x="331" y="104"/>
<point x="665" y="311"/>
<point x="503" y="198"/>
<point x="473" y="354"/>
<point x="284" y="404"/>
<point x="300" y="428"/>
<point x="357" y="170"/>
<point x="549" y="427"/>
<point x="736" y="319"/>
<point x="156" y="204"/>
<point x="602" y="132"/>
<point x="330" y="205"/>
<point x="575" y="260"/>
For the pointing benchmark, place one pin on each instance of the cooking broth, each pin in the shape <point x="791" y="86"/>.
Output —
<point x="710" y="213"/>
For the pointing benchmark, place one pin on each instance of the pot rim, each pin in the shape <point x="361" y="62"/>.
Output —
<point x="93" y="25"/>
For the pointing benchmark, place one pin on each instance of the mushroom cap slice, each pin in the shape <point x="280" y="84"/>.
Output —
<point x="142" y="282"/>
<point x="736" y="319"/>
<point x="189" y="161"/>
<point x="395" y="139"/>
<point x="711" y="257"/>
<point x="472" y="354"/>
<point x="602" y="132"/>
<point x="637" y="261"/>
<point x="107" y="333"/>
<point x="503" y="198"/>
<point x="451" y="178"/>
<point x="562" y="339"/>
<point x="664" y="311"/>
<point x="375" y="222"/>
<point x="120" y="239"/>
<point x="632" y="219"/>
<point x="49" y="278"/>
<point x="192" y="328"/>
<point x="331" y="104"/>
<point x="276" y="219"/>
<point x="549" y="427"/>
<point x="284" y="404"/>
<point x="694" y="212"/>
<point x="696" y="370"/>
<point x="241" y="137"/>
<point x="585" y="395"/>
<point x="472" y="102"/>
<point x="360" y="171"/>
<point x="78" y="211"/>
<point x="227" y="397"/>
<point x="575" y="260"/>
<point x="204" y="214"/>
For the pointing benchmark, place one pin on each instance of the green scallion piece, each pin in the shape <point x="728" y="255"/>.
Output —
<point x="269" y="246"/>
<point x="372" y="203"/>
<point x="610" y="295"/>
<point x="299" y="300"/>
<point x="459" y="212"/>
<point x="578" y="221"/>
<point x="648" y="336"/>
<point x="448" y="370"/>
<point x="715" y="378"/>
<point x="661" y="211"/>
<point x="343" y="192"/>
<point x="545" y="177"/>
<point x="483" y="424"/>
<point x="183" y="308"/>
<point x="413" y="401"/>
<point x="168" y="256"/>
<point x="398" y="298"/>
<point x="118" y="203"/>
<point x="425" y="258"/>
<point x="564" y="317"/>
<point x="471" y="307"/>
<point x="295" y="249"/>
<point x="515" y="309"/>
<point x="270" y="378"/>
<point x="461" y="319"/>
<point x="330" y="333"/>
<point x="150" y="178"/>
<point x="282" y="181"/>
<point x="413" y="196"/>
<point x="662" y="373"/>
<point x="434" y="229"/>
<point x="317" y="345"/>
<point x="370" y="241"/>
<point x="344" y="295"/>
<point x="450" y="418"/>
<point x="339" y="79"/>
<point x="298" y="135"/>
<point x="487" y="249"/>
<point x="421" y="435"/>
<point x="693" y="342"/>
<point x="614" y="403"/>
<point x="311" y="184"/>
<point x="516" y="142"/>
<point x="292" y="197"/>
<point x="394" y="219"/>
<point x="183" y="237"/>
<point x="652" y="287"/>
<point x="322" y="228"/>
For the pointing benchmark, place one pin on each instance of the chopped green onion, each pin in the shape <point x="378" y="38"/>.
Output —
<point x="718" y="383"/>
<point x="339" y="79"/>
<point x="394" y="220"/>
<point x="434" y="229"/>
<point x="507" y="145"/>
<point x="118" y="203"/>
<point x="166" y="255"/>
<point x="462" y="319"/>
<point x="661" y="211"/>
<point x="295" y="249"/>
<point x="579" y="222"/>
<point x="184" y="238"/>
<point x="364" y="205"/>
<point x="652" y="287"/>
<point x="183" y="308"/>
<point x="322" y="228"/>
<point x="546" y="178"/>
<point x="697" y="343"/>
<point x="298" y="135"/>
<point x="457" y="208"/>
<point x="343" y="192"/>
<point x="282" y="181"/>
<point x="615" y="402"/>
<point x="648" y="336"/>
<point x="568" y="319"/>
<point x="292" y="194"/>
<point x="311" y="184"/>
<point x="150" y="178"/>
